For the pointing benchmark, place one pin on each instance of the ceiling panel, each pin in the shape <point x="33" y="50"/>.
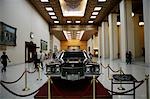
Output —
<point x="57" y="28"/>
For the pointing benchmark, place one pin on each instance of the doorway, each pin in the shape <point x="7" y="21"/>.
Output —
<point x="30" y="48"/>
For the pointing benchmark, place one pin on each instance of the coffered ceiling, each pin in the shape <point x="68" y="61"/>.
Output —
<point x="84" y="13"/>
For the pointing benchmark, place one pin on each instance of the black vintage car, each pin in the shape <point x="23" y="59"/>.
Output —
<point x="73" y="65"/>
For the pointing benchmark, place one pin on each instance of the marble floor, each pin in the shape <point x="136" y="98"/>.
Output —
<point x="138" y="69"/>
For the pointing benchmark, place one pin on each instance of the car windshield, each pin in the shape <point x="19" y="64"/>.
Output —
<point x="73" y="55"/>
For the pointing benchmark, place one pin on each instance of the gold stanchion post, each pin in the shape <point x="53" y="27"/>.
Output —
<point x="26" y="88"/>
<point x="39" y="73"/>
<point x="94" y="86"/>
<point x="49" y="87"/>
<point x="147" y="86"/>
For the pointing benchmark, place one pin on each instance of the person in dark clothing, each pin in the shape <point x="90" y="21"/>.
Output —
<point x="35" y="59"/>
<point x="127" y="57"/>
<point x="3" y="60"/>
<point x="130" y="57"/>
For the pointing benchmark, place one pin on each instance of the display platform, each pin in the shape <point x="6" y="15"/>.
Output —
<point x="80" y="89"/>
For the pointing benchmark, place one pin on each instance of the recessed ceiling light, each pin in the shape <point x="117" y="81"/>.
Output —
<point x="90" y="21"/>
<point x="56" y="21"/>
<point x="51" y="13"/>
<point x="78" y="21"/>
<point x="53" y="17"/>
<point x="68" y="21"/>
<point x="93" y="17"/>
<point x="49" y="8"/>
<point x="97" y="8"/>
<point x="44" y="1"/>
<point x="79" y="35"/>
<point x="101" y="0"/>
<point x="95" y="13"/>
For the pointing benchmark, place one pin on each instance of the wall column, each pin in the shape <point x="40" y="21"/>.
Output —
<point x="99" y="41"/>
<point x="139" y="36"/>
<point x="146" y="10"/>
<point x="51" y="42"/>
<point x="113" y="36"/>
<point x="127" y="30"/>
<point x="105" y="40"/>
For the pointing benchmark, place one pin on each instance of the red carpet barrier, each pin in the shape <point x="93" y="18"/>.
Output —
<point x="81" y="89"/>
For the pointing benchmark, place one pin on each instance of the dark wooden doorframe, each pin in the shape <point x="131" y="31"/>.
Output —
<point x="30" y="48"/>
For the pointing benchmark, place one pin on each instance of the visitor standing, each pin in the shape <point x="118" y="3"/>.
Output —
<point x="130" y="57"/>
<point x="3" y="60"/>
<point x="35" y="59"/>
<point x="41" y="58"/>
<point x="127" y="57"/>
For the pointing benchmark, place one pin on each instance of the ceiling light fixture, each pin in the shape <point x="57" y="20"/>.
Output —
<point x="51" y="13"/>
<point x="97" y="8"/>
<point x="101" y="0"/>
<point x="53" y="17"/>
<point x="118" y="23"/>
<point x="44" y="1"/>
<point x="90" y="21"/>
<point x="68" y="37"/>
<point x="93" y="17"/>
<point x="95" y="13"/>
<point x="132" y="14"/>
<point x="81" y="34"/>
<point x="68" y="21"/>
<point x="141" y="23"/>
<point x="78" y="21"/>
<point x="56" y="21"/>
<point x="49" y="8"/>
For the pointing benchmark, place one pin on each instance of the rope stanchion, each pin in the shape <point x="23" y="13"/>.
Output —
<point x="39" y="73"/>
<point x="94" y="80"/>
<point x="13" y="81"/>
<point x="147" y="86"/>
<point x="49" y="87"/>
<point x="16" y="93"/>
<point x="26" y="88"/>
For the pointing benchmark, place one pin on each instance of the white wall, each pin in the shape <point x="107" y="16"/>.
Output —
<point x="56" y="42"/>
<point x="21" y="14"/>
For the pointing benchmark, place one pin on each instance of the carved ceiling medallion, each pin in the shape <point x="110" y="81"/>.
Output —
<point x="73" y="3"/>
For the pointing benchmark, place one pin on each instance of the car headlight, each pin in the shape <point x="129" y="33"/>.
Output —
<point x="87" y="69"/>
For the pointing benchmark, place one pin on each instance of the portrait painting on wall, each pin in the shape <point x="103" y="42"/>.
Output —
<point x="7" y="35"/>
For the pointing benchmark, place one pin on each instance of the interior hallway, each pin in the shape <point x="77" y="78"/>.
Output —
<point x="138" y="69"/>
